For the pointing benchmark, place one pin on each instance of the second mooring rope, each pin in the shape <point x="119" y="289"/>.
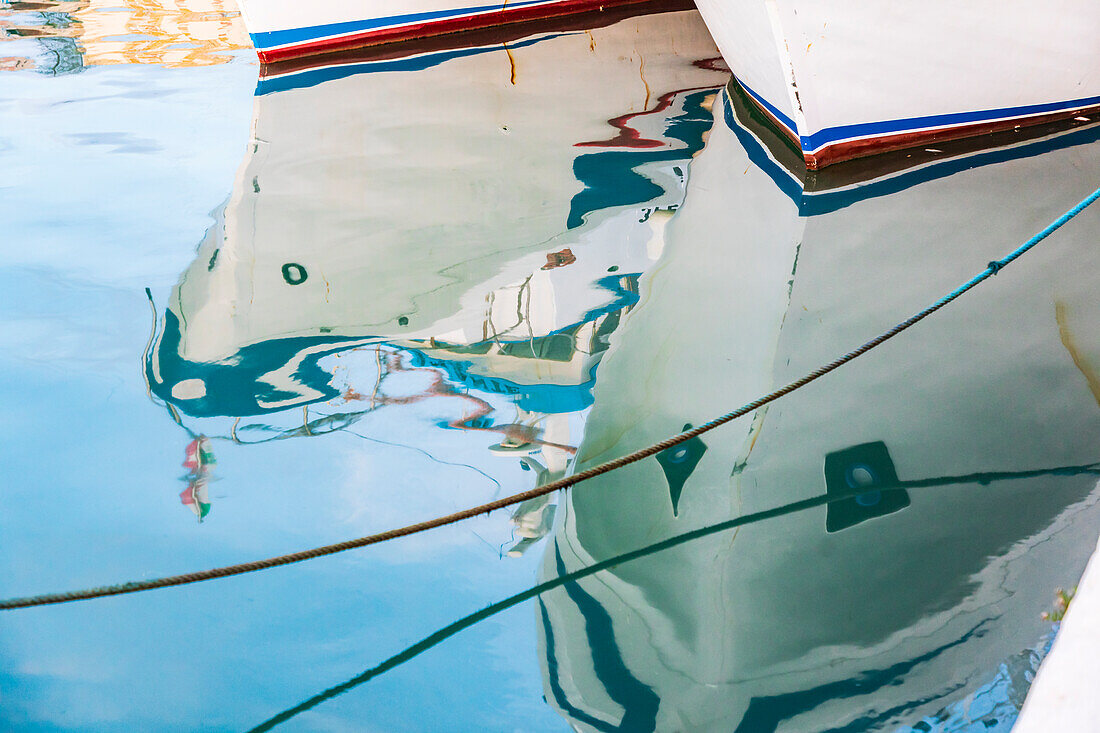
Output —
<point x="563" y="483"/>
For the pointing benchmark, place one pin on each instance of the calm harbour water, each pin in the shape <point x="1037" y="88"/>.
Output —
<point x="387" y="290"/>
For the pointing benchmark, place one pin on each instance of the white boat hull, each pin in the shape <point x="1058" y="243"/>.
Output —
<point x="285" y="29"/>
<point x="848" y="79"/>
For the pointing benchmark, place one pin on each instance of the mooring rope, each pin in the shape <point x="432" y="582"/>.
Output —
<point x="563" y="483"/>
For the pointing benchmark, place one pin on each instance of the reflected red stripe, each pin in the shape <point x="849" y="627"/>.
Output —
<point x="630" y="137"/>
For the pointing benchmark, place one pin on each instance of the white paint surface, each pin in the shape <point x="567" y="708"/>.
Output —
<point x="1065" y="697"/>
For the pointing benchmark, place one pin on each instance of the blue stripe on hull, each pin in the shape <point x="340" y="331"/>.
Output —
<point x="273" y="39"/>
<point x="841" y="133"/>
<point x="831" y="135"/>
<point x="771" y="108"/>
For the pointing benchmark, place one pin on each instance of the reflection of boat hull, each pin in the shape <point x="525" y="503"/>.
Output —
<point x="502" y="216"/>
<point x="282" y="29"/>
<point x="848" y="79"/>
<point x="859" y="614"/>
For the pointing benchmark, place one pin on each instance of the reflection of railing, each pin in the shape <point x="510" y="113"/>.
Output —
<point x="755" y="518"/>
<point x="545" y="374"/>
<point x="517" y="437"/>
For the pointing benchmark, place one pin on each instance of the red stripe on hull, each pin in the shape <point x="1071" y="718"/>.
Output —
<point x="865" y="147"/>
<point x="851" y="149"/>
<point x="478" y="37"/>
<point x="440" y="27"/>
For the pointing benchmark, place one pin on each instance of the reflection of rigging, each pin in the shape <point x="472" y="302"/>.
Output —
<point x="526" y="436"/>
<point x="827" y="499"/>
<point x="427" y="454"/>
<point x="547" y="375"/>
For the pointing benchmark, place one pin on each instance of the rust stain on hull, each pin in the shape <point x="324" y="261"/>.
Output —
<point x="511" y="63"/>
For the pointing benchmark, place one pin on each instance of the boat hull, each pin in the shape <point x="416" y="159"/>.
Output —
<point x="741" y="591"/>
<point x="361" y="215"/>
<point x="281" y="29"/>
<point x="846" y="80"/>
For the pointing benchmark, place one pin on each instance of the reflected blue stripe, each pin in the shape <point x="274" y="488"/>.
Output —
<point x="269" y="39"/>
<point x="765" y="714"/>
<point x="816" y="204"/>
<point x="553" y="678"/>
<point x="637" y="699"/>
<point x="787" y="121"/>
<point x="611" y="178"/>
<point x="759" y="157"/>
<point x="314" y="77"/>
<point x="840" y="133"/>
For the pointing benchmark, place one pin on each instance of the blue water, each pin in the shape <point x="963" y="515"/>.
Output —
<point x="238" y="321"/>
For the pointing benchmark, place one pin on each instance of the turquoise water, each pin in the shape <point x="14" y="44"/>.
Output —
<point x="241" y="319"/>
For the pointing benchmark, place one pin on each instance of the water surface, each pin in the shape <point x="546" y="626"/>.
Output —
<point x="394" y="287"/>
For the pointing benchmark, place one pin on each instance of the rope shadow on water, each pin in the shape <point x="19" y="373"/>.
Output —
<point x="432" y="640"/>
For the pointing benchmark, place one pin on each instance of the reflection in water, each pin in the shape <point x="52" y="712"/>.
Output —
<point x="474" y="264"/>
<point x="199" y="462"/>
<point x="1010" y="682"/>
<point x="879" y="610"/>
<point x="65" y="36"/>
<point x="460" y="255"/>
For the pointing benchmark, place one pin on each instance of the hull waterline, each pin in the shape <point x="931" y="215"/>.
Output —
<point x="845" y="80"/>
<point x="282" y="30"/>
